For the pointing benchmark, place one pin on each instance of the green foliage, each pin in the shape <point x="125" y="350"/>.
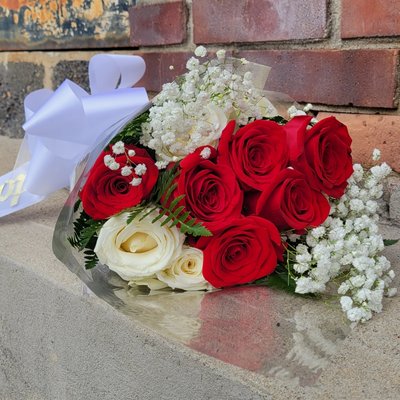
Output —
<point x="91" y="259"/>
<point x="280" y="279"/>
<point x="278" y="119"/>
<point x="390" y="242"/>
<point x="132" y="131"/>
<point x="166" y="183"/>
<point x="76" y="205"/>
<point x="85" y="237"/>
<point x="172" y="212"/>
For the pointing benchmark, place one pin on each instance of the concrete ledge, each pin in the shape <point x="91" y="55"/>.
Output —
<point x="59" y="342"/>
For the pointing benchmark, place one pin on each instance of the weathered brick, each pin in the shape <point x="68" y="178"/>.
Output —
<point x="370" y="18"/>
<point x="227" y="21"/>
<point x="365" y="78"/>
<point x="372" y="131"/>
<point x="17" y="79"/>
<point x="49" y="24"/>
<point x="158" y="24"/>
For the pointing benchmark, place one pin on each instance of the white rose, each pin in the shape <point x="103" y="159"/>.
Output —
<point x="185" y="272"/>
<point x="216" y="119"/>
<point x="138" y="249"/>
<point x="207" y="131"/>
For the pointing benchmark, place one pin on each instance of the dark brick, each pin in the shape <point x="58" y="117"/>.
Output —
<point x="227" y="21"/>
<point x="365" y="78"/>
<point x="362" y="18"/>
<point x="75" y="70"/>
<point x="158" y="24"/>
<point x="17" y="79"/>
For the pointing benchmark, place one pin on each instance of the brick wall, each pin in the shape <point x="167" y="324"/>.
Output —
<point x="340" y="55"/>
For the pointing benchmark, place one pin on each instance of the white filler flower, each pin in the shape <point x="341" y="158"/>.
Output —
<point x="185" y="272"/>
<point x="138" y="249"/>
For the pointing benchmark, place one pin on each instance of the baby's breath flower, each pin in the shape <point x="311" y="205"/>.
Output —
<point x="346" y="303"/>
<point x="193" y="111"/>
<point x="221" y="54"/>
<point x="113" y="166"/>
<point x="108" y="160"/>
<point x="162" y="164"/>
<point x="301" y="268"/>
<point x="348" y="242"/>
<point x="136" y="181"/>
<point x="126" y="171"/>
<point x="192" y="63"/>
<point x="294" y="112"/>
<point x="308" y="107"/>
<point x="376" y="155"/>
<point x="343" y="288"/>
<point x="200" y="51"/>
<point x="205" y="153"/>
<point x="131" y="153"/>
<point x="118" y="148"/>
<point x="140" y="169"/>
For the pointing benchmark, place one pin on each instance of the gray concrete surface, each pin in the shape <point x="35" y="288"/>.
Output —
<point x="59" y="342"/>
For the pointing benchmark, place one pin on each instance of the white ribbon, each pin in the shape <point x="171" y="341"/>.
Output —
<point x="67" y="128"/>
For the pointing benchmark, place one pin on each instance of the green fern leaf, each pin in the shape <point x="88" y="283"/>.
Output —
<point x="169" y="192"/>
<point x="175" y="202"/>
<point x="178" y="211"/>
<point x="132" y="131"/>
<point x="91" y="259"/>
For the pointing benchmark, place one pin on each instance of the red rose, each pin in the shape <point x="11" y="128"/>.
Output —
<point x="322" y="153"/>
<point x="107" y="192"/>
<point x="290" y="203"/>
<point x="247" y="249"/>
<point x="256" y="152"/>
<point x="212" y="193"/>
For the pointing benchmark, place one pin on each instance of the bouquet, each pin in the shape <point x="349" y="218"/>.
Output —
<point x="211" y="188"/>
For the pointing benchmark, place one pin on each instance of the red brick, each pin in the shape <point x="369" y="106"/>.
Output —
<point x="158" y="24"/>
<point x="365" y="78"/>
<point x="228" y="21"/>
<point x="158" y="71"/>
<point x="372" y="131"/>
<point x="370" y="18"/>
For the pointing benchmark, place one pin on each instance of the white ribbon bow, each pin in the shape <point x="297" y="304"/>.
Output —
<point x="69" y="127"/>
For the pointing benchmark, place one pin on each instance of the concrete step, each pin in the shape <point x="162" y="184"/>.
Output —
<point x="59" y="340"/>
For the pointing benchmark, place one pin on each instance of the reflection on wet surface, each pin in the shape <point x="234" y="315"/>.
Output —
<point x="252" y="327"/>
<point x="255" y="328"/>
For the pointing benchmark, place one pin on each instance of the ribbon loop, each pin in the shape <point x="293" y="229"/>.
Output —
<point x="108" y="72"/>
<point x="66" y="126"/>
